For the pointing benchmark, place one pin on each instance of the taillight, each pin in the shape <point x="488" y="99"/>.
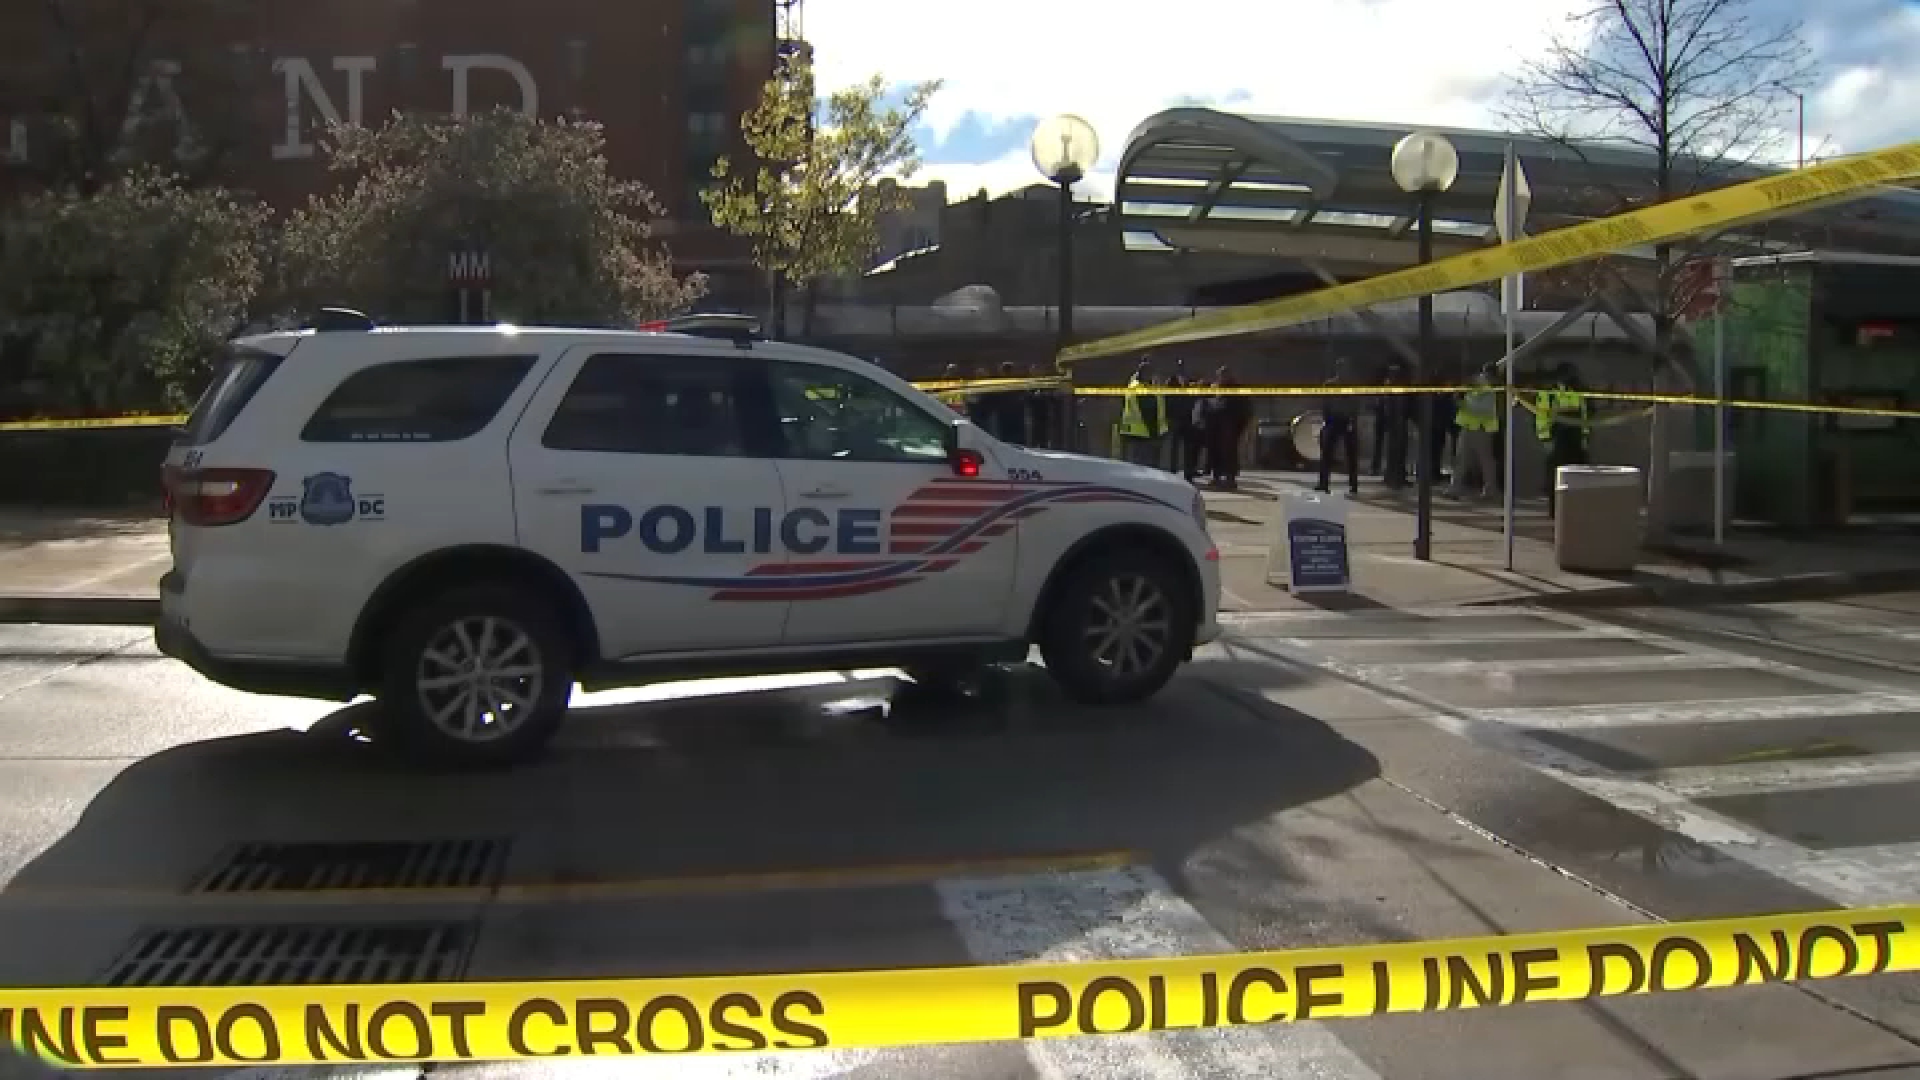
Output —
<point x="217" y="496"/>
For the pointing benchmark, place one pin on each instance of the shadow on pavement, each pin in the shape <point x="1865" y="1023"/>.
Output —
<point x="825" y="779"/>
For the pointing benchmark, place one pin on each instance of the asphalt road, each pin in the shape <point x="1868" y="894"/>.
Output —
<point x="1317" y="779"/>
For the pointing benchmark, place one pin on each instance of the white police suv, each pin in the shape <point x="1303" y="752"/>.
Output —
<point x="467" y="521"/>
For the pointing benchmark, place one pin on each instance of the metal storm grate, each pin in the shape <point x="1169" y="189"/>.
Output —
<point x="294" y="954"/>
<point x="429" y="864"/>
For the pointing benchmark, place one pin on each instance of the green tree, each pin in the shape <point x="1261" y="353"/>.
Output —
<point x="566" y="241"/>
<point x="811" y="201"/>
<point x="116" y="300"/>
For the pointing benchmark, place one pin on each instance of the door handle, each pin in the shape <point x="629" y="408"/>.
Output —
<point x="825" y="492"/>
<point x="565" y="489"/>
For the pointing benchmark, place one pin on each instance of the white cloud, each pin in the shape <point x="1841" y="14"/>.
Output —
<point x="1871" y="95"/>
<point x="1417" y="61"/>
<point x="1009" y="172"/>
<point x="1400" y="61"/>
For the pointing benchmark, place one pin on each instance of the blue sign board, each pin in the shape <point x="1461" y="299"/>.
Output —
<point x="1317" y="555"/>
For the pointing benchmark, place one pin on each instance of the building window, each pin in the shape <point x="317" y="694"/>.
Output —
<point x="707" y="58"/>
<point x="707" y="126"/>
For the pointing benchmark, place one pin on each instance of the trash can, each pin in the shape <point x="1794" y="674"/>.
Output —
<point x="1596" y="522"/>
<point x="1271" y="449"/>
<point x="1690" y="489"/>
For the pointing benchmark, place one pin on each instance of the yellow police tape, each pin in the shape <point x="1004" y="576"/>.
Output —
<point x="145" y="420"/>
<point x="1720" y="208"/>
<point x="1521" y="392"/>
<point x="990" y="385"/>
<point x="300" y="1025"/>
<point x="949" y="390"/>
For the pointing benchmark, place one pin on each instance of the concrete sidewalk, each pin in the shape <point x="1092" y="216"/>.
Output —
<point x="65" y="567"/>
<point x="76" y="567"/>
<point x="1468" y="564"/>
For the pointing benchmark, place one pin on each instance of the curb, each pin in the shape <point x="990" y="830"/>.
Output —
<point x="145" y="610"/>
<point x="80" y="610"/>
<point x="1816" y="586"/>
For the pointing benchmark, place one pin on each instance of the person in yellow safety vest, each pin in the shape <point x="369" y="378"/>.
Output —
<point x="1562" y="420"/>
<point x="1478" y="418"/>
<point x="1143" y="418"/>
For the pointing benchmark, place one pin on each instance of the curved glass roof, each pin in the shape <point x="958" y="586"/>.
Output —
<point x="1204" y="180"/>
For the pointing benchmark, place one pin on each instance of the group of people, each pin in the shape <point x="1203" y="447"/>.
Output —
<point x="1187" y="433"/>
<point x="1024" y="417"/>
<point x="1468" y="424"/>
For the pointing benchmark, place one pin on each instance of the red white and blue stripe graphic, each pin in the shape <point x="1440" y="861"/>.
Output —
<point x="933" y="529"/>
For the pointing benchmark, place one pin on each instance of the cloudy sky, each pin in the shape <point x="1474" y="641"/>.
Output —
<point x="1008" y="62"/>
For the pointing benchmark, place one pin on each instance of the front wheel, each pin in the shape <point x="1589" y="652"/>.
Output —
<point x="1121" y="624"/>
<point x="476" y="676"/>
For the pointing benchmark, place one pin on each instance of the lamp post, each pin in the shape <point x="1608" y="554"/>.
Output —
<point x="1064" y="147"/>
<point x="1424" y="164"/>
<point x="1800" y="143"/>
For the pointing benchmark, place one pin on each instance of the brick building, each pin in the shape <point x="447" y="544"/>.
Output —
<point x="240" y="91"/>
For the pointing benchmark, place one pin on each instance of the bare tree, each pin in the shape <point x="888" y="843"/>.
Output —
<point x="1704" y="87"/>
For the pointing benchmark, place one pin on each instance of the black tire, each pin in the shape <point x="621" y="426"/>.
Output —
<point x="1070" y="644"/>
<point x="538" y="634"/>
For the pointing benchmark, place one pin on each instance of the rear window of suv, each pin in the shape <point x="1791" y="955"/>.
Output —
<point x="237" y="376"/>
<point x="435" y="400"/>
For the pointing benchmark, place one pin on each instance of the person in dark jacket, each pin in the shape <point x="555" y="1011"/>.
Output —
<point x="1011" y="415"/>
<point x="1339" y="432"/>
<point x="1229" y="416"/>
<point x="1390" y="434"/>
<point x="1185" y="426"/>
<point x="1042" y="418"/>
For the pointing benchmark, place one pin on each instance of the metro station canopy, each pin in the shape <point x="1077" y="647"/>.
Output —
<point x="1203" y="180"/>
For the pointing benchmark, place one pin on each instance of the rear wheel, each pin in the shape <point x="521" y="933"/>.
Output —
<point x="476" y="676"/>
<point x="1121" y="624"/>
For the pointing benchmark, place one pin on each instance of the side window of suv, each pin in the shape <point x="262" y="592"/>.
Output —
<point x="827" y="413"/>
<point x="686" y="405"/>
<point x="435" y="400"/>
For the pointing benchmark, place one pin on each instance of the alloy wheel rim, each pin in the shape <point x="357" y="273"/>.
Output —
<point x="479" y="677"/>
<point x="1129" y="625"/>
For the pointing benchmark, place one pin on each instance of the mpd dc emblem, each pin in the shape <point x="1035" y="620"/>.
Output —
<point x="327" y="499"/>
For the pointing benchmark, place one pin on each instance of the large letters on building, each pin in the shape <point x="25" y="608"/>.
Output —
<point x="311" y="103"/>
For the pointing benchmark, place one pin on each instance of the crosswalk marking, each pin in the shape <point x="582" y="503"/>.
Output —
<point x="1667" y="798"/>
<point x="1552" y="665"/>
<point x="1059" y="916"/>
<point x="1129" y="914"/>
<point x="1722" y="711"/>
<point x="1473" y="633"/>
<point x="1789" y="775"/>
<point x="1852" y="621"/>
